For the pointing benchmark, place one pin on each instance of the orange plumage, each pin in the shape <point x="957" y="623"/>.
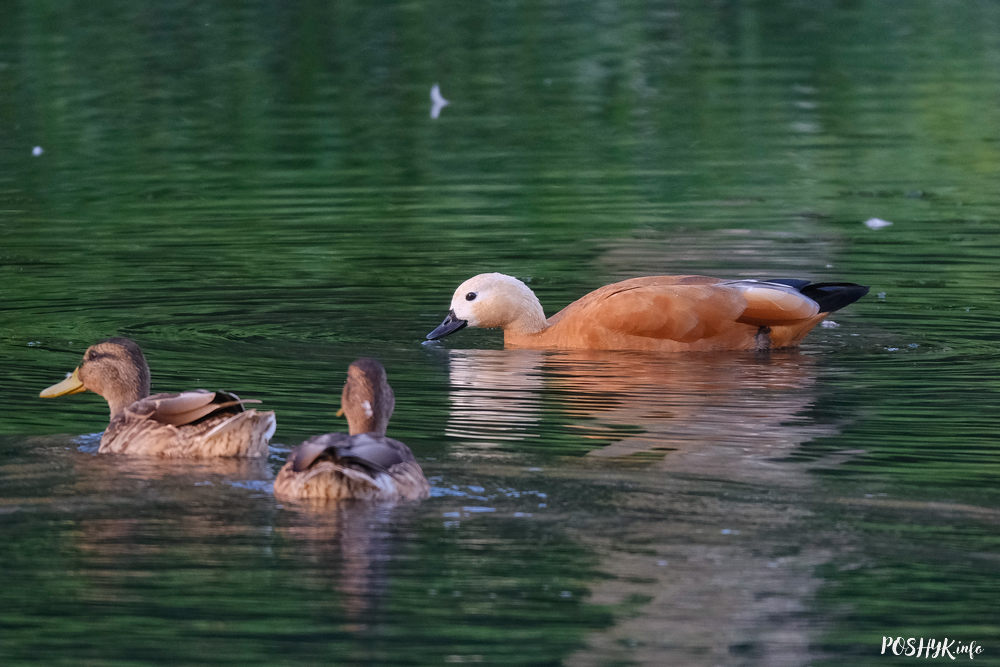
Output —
<point x="659" y="313"/>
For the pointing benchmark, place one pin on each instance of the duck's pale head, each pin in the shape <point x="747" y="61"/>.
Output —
<point x="367" y="400"/>
<point x="492" y="300"/>
<point x="114" y="369"/>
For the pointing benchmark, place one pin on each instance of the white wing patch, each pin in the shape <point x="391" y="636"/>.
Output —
<point x="387" y="485"/>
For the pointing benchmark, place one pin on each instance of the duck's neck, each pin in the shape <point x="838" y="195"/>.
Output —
<point x="376" y="423"/>
<point x="368" y="410"/>
<point x="124" y="397"/>
<point x="131" y="387"/>
<point x="531" y="317"/>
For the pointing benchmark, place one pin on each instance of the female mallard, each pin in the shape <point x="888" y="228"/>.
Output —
<point x="656" y="313"/>
<point x="190" y="424"/>
<point x="362" y="463"/>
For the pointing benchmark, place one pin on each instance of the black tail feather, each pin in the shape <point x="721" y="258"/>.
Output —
<point x="829" y="296"/>
<point x="834" y="296"/>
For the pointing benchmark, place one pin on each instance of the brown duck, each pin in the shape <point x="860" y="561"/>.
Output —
<point x="363" y="463"/>
<point x="189" y="424"/>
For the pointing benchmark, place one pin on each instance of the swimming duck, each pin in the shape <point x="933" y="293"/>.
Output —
<point x="659" y="313"/>
<point x="189" y="424"/>
<point x="362" y="463"/>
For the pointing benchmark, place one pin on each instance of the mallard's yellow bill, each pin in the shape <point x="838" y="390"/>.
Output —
<point x="340" y="412"/>
<point x="71" y="385"/>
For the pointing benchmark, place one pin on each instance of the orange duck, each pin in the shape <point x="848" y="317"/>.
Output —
<point x="659" y="313"/>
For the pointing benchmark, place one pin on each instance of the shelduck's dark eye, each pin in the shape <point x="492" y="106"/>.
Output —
<point x="470" y="296"/>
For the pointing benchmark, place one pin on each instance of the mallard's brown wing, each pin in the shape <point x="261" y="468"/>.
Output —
<point x="307" y="453"/>
<point x="186" y="407"/>
<point x="373" y="452"/>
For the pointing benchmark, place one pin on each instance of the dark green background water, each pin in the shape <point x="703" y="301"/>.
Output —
<point x="257" y="194"/>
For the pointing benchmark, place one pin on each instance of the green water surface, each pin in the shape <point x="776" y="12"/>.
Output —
<point x="257" y="194"/>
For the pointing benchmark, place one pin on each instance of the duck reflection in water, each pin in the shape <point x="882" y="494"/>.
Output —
<point x="688" y="411"/>
<point x="191" y="519"/>
<point x="691" y="452"/>
<point x="350" y="544"/>
<point x="495" y="395"/>
<point x="135" y="518"/>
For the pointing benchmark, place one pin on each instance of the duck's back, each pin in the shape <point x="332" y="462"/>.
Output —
<point x="191" y="424"/>
<point x="338" y="466"/>
<point x="686" y="313"/>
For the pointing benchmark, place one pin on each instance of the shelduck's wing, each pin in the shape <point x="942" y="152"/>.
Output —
<point x="691" y="308"/>
<point x="688" y="308"/>
<point x="681" y="308"/>
<point x="828" y="297"/>
<point x="772" y="303"/>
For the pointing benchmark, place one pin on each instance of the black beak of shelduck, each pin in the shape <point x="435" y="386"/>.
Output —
<point x="450" y="325"/>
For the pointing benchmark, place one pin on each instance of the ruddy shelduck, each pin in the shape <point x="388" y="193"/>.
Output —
<point x="189" y="424"/>
<point x="658" y="313"/>
<point x="362" y="463"/>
